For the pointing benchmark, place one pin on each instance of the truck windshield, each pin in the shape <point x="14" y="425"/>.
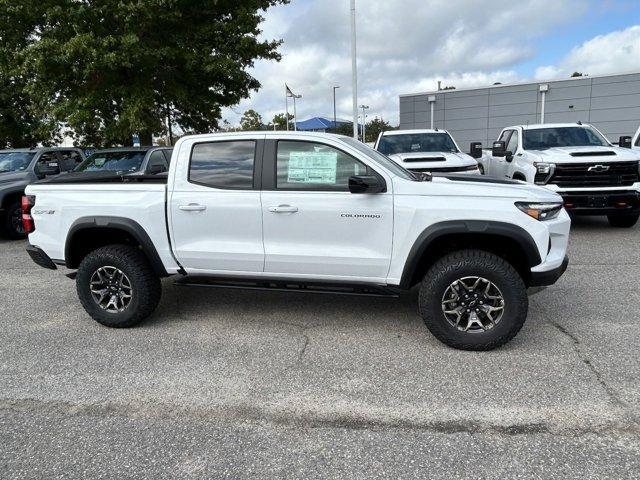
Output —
<point x="416" y="142"/>
<point x="125" y="162"/>
<point x="15" y="161"/>
<point x="544" y="138"/>
<point x="379" y="158"/>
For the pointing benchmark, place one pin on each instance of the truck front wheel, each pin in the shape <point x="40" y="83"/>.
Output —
<point x="473" y="300"/>
<point x="117" y="286"/>
<point x="623" y="221"/>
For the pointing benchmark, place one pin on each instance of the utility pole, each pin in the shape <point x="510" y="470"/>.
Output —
<point x="354" y="69"/>
<point x="334" y="106"/>
<point x="286" y="104"/>
<point x="295" y="113"/>
<point x="364" y="122"/>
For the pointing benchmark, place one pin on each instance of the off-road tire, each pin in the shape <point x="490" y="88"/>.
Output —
<point x="8" y="227"/>
<point x="623" y="221"/>
<point x="465" y="263"/>
<point x="145" y="283"/>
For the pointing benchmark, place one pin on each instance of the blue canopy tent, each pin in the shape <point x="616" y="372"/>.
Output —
<point x="319" y="124"/>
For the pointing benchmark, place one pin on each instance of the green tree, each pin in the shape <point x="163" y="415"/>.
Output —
<point x="375" y="127"/>
<point x="280" y="121"/>
<point x="578" y="74"/>
<point x="111" y="68"/>
<point x="23" y="120"/>
<point x="251" y="120"/>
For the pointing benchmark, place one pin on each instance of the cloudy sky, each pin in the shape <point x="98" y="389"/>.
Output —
<point x="406" y="46"/>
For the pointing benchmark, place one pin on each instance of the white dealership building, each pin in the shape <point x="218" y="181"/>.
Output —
<point x="610" y="102"/>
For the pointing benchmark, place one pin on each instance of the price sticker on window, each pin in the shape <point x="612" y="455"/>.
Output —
<point x="313" y="167"/>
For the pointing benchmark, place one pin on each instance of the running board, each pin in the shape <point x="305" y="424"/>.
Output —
<point x="290" y="286"/>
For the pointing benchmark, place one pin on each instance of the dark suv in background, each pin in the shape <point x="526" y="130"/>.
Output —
<point x="19" y="168"/>
<point x="128" y="161"/>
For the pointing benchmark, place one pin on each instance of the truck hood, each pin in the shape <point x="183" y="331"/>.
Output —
<point x="12" y="177"/>
<point x="475" y="186"/>
<point x="433" y="160"/>
<point x="586" y="155"/>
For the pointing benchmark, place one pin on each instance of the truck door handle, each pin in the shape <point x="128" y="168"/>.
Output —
<point x="192" y="207"/>
<point x="283" y="209"/>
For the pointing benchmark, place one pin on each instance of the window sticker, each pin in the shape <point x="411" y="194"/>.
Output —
<point x="313" y="167"/>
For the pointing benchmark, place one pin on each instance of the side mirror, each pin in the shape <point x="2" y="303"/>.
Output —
<point x="475" y="150"/>
<point x="508" y="156"/>
<point x="156" y="169"/>
<point x="499" y="149"/>
<point x="625" y="142"/>
<point x="51" y="168"/>
<point x="366" y="184"/>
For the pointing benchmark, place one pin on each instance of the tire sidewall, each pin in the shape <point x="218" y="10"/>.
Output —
<point x="87" y="268"/>
<point x="10" y="230"/>
<point x="510" y="285"/>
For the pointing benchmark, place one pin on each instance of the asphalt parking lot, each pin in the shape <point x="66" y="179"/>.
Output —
<point x="232" y="384"/>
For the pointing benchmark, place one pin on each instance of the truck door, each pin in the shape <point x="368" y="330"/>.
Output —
<point x="214" y="208"/>
<point x="313" y="225"/>
<point x="499" y="165"/>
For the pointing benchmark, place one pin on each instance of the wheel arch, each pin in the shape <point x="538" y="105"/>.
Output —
<point x="89" y="233"/>
<point x="504" y="239"/>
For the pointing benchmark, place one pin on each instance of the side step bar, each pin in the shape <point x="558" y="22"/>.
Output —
<point x="290" y="286"/>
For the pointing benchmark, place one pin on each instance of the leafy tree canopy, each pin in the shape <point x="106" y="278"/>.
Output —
<point x="251" y="120"/>
<point x="111" y="68"/>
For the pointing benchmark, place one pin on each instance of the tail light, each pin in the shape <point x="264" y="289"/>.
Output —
<point x="28" y="201"/>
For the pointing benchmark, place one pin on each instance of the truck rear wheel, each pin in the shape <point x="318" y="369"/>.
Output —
<point x="623" y="221"/>
<point x="117" y="286"/>
<point x="473" y="300"/>
<point x="13" y="227"/>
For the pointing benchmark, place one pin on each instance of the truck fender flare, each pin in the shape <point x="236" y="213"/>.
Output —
<point x="127" y="225"/>
<point x="486" y="227"/>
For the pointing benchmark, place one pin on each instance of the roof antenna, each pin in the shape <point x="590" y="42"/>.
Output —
<point x="579" y="122"/>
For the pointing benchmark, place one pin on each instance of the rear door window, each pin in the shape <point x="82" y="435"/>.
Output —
<point x="224" y="164"/>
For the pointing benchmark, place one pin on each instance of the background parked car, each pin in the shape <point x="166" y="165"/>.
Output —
<point x="433" y="151"/>
<point x="20" y="167"/>
<point x="128" y="161"/>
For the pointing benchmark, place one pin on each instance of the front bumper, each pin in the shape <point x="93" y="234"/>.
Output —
<point x="40" y="258"/>
<point x="549" y="277"/>
<point x="602" y="203"/>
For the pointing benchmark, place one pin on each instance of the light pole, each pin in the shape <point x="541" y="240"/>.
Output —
<point x="295" y="113"/>
<point x="364" y="122"/>
<point x="354" y="69"/>
<point x="335" y="87"/>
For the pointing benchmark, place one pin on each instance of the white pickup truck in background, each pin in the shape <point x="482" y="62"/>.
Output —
<point x="433" y="151"/>
<point x="303" y="212"/>
<point x="576" y="161"/>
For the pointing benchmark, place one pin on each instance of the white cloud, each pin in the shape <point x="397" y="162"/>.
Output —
<point x="403" y="46"/>
<point x="614" y="52"/>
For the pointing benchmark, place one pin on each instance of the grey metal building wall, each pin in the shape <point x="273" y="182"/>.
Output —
<point x="611" y="103"/>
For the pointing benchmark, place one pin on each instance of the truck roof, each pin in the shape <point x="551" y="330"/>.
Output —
<point x="417" y="130"/>
<point x="268" y="133"/>
<point x="536" y="126"/>
<point x="37" y="149"/>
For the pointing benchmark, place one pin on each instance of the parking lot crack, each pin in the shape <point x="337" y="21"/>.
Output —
<point x="611" y="393"/>
<point x="306" y="340"/>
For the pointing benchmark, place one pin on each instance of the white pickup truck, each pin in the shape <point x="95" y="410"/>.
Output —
<point x="574" y="160"/>
<point x="309" y="213"/>
<point x="433" y="151"/>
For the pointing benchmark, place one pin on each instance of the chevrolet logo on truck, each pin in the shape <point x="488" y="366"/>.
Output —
<point x="599" y="168"/>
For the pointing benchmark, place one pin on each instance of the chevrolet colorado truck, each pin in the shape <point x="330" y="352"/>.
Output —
<point x="433" y="151"/>
<point x="303" y="212"/>
<point x="20" y="167"/>
<point x="574" y="160"/>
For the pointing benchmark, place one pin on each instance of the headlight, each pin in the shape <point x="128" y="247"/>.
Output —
<point x="544" y="171"/>
<point x="540" y="211"/>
